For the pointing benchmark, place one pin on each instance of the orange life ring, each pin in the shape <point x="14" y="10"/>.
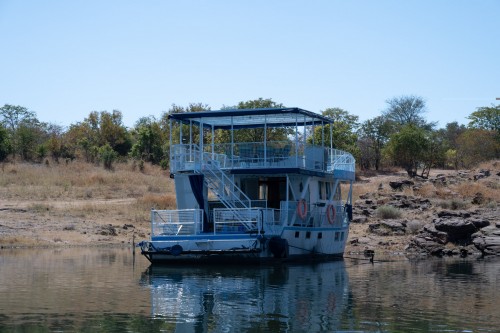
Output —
<point x="302" y="208"/>
<point x="330" y="214"/>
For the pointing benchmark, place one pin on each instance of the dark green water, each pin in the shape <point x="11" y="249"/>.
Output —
<point x="106" y="290"/>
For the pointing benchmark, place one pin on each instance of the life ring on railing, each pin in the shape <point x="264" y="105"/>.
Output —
<point x="330" y="214"/>
<point x="302" y="208"/>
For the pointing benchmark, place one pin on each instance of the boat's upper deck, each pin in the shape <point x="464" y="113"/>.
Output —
<point x="255" y="157"/>
<point x="292" y="140"/>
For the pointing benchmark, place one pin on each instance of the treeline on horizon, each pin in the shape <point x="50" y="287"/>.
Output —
<point x="400" y="136"/>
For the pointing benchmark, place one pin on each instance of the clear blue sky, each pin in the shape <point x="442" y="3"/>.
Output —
<point x="64" y="59"/>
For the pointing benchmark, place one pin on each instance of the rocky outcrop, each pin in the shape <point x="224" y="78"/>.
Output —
<point x="466" y="225"/>
<point x="388" y="227"/>
<point x="400" y="184"/>
<point x="368" y="203"/>
<point x="487" y="239"/>
<point x="453" y="232"/>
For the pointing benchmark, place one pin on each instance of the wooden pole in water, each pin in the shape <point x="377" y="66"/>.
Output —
<point x="133" y="244"/>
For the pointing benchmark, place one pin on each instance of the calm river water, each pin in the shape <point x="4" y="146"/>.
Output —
<point x="106" y="290"/>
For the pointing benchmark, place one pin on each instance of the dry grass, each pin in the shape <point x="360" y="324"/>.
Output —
<point x="79" y="180"/>
<point x="67" y="203"/>
<point x="155" y="201"/>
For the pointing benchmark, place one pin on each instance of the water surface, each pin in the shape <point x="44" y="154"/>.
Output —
<point x="108" y="290"/>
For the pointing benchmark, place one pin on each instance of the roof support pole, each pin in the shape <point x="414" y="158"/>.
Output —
<point x="190" y="140"/>
<point x="305" y="142"/>
<point x="180" y="133"/>
<point x="296" y="140"/>
<point x="201" y="142"/>
<point x="213" y="139"/>
<point x="331" y="134"/>
<point x="170" y="142"/>
<point x="322" y="134"/>
<point x="265" y="139"/>
<point x="232" y="140"/>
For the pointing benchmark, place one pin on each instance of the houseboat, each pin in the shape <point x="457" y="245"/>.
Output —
<point x="253" y="186"/>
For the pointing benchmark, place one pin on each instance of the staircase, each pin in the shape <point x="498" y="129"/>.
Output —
<point x="231" y="196"/>
<point x="222" y="186"/>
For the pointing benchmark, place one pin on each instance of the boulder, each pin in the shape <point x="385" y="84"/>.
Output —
<point x="487" y="240"/>
<point x="456" y="228"/>
<point x="482" y="174"/>
<point x="387" y="228"/>
<point x="437" y="236"/>
<point x="427" y="245"/>
<point x="398" y="185"/>
<point x="454" y="213"/>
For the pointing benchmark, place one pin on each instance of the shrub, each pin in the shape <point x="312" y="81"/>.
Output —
<point x="107" y="156"/>
<point x="414" y="226"/>
<point x="388" y="212"/>
<point x="164" y="164"/>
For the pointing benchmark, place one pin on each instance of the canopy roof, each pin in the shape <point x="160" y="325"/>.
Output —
<point x="252" y="118"/>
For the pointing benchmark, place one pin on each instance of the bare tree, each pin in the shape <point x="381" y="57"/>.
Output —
<point x="407" y="110"/>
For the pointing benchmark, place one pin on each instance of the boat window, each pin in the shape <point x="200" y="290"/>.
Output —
<point x="336" y="235"/>
<point x="342" y="236"/>
<point x="308" y="234"/>
<point x="328" y="190"/>
<point x="338" y="196"/>
<point x="297" y="234"/>
<point x="320" y="235"/>
<point x="262" y="191"/>
<point x="321" y="189"/>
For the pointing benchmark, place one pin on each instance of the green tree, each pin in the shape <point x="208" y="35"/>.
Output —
<point x="12" y="116"/>
<point x="54" y="143"/>
<point x="112" y="131"/>
<point x="477" y="145"/>
<point x="4" y="143"/>
<point x="97" y="130"/>
<point x="343" y="131"/>
<point x="149" y="141"/>
<point x="410" y="148"/>
<point x="373" y="137"/>
<point x="107" y="156"/>
<point x="486" y="118"/>
<point x="449" y="136"/>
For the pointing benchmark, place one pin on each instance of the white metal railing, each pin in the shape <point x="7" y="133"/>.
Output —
<point x="340" y="160"/>
<point x="239" y="221"/>
<point x="176" y="222"/>
<point x="275" y="154"/>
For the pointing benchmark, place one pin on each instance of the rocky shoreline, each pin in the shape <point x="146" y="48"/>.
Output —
<point x="461" y="227"/>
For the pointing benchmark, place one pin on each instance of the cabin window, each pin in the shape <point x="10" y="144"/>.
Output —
<point x="308" y="234"/>
<point x="297" y="234"/>
<point x="262" y="191"/>
<point x="328" y="190"/>
<point x="338" y="195"/>
<point x="320" y="190"/>
<point x="320" y="235"/>
<point x="337" y="235"/>
<point x="342" y="236"/>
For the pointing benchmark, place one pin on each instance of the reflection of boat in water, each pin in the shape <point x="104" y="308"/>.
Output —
<point x="240" y="200"/>
<point x="273" y="298"/>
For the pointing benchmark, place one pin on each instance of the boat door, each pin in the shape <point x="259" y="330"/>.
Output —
<point x="273" y="191"/>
